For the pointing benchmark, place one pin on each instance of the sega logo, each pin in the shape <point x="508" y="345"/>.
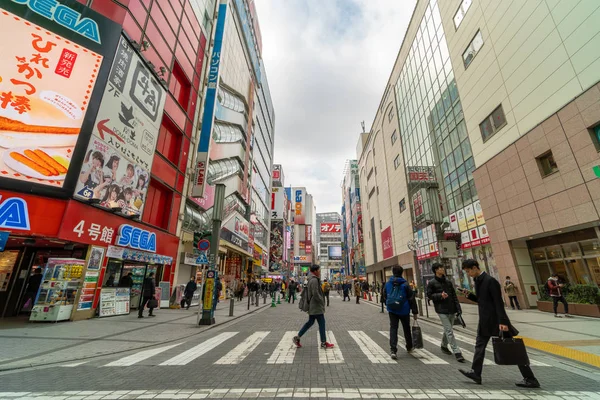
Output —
<point x="298" y="196"/>
<point x="136" y="238"/>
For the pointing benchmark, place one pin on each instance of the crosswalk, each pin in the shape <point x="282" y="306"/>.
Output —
<point x="278" y="348"/>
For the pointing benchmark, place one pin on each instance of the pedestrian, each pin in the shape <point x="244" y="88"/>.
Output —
<point x="219" y="287"/>
<point x="555" y="288"/>
<point x="357" y="291"/>
<point x="148" y="291"/>
<point x="292" y="288"/>
<point x="400" y="301"/>
<point x="511" y="292"/>
<point x="492" y="320"/>
<point x="316" y="307"/>
<point x="365" y="288"/>
<point x="126" y="280"/>
<point x="441" y="291"/>
<point x="111" y="281"/>
<point x="188" y="293"/>
<point x="326" y="289"/>
<point x="252" y="289"/>
<point x="33" y="285"/>
<point x="346" y="290"/>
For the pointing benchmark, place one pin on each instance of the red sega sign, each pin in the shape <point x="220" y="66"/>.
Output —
<point x="30" y="215"/>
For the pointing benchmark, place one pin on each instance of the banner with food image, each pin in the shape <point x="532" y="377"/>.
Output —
<point x="116" y="168"/>
<point x="46" y="82"/>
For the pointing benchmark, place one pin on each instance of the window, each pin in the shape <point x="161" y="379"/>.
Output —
<point x="169" y="140"/>
<point x="391" y="114"/>
<point x="397" y="161"/>
<point x="461" y="12"/>
<point x="493" y="123"/>
<point x="472" y="49"/>
<point x="546" y="164"/>
<point x="595" y="134"/>
<point x="402" y="205"/>
<point x="394" y="137"/>
<point x="180" y="86"/>
<point x="158" y="205"/>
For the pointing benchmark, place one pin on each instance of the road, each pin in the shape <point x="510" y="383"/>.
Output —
<point x="254" y="357"/>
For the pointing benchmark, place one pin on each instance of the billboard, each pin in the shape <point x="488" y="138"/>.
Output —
<point x="277" y="246"/>
<point x="117" y="164"/>
<point x="299" y="206"/>
<point x="308" y="241"/>
<point x="278" y="180"/>
<point x="334" y="253"/>
<point x="421" y="174"/>
<point x="277" y="203"/>
<point x="330" y="227"/>
<point x="49" y="71"/>
<point x="386" y="243"/>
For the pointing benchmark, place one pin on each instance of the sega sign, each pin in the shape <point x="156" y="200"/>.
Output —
<point x="136" y="238"/>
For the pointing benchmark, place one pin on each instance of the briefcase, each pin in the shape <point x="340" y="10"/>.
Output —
<point x="509" y="351"/>
<point x="417" y="336"/>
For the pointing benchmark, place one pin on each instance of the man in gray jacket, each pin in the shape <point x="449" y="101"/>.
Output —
<point x="316" y="307"/>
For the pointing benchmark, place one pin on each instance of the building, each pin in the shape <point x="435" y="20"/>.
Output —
<point x="116" y="187"/>
<point x="329" y="244"/>
<point x="279" y="247"/>
<point x="303" y="235"/>
<point x="352" y="231"/>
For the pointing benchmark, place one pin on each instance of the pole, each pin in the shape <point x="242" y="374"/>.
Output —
<point x="231" y="307"/>
<point x="208" y="315"/>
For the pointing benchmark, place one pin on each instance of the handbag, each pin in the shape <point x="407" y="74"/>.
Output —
<point x="509" y="351"/>
<point x="417" y="336"/>
<point x="152" y="303"/>
<point x="459" y="321"/>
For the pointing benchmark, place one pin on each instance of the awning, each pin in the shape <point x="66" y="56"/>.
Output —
<point x="233" y="247"/>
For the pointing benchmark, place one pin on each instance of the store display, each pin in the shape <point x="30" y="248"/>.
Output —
<point x="57" y="293"/>
<point x="114" y="301"/>
<point x="7" y="262"/>
<point x="88" y="291"/>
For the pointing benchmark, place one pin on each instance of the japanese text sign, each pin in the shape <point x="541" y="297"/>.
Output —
<point x="330" y="227"/>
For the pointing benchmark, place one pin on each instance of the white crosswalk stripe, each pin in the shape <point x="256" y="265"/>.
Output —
<point x="330" y="356"/>
<point x="471" y="341"/>
<point x="242" y="350"/>
<point x="425" y="356"/>
<point x="188" y="356"/>
<point x="139" y="356"/>
<point x="468" y="355"/>
<point x="285" y="351"/>
<point x="371" y="349"/>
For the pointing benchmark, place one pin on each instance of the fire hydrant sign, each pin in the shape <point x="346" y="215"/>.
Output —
<point x="116" y="168"/>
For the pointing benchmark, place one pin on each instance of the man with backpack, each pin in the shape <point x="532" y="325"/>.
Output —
<point x="313" y="302"/>
<point x="292" y="288"/>
<point x="400" y="301"/>
<point x="326" y="289"/>
<point x="441" y="291"/>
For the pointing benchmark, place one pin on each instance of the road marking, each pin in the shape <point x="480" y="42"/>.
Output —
<point x="242" y="350"/>
<point x="330" y="356"/>
<point x="371" y="349"/>
<point x="471" y="341"/>
<point x="140" y="356"/>
<point x="468" y="354"/>
<point x="426" y="357"/>
<point x="285" y="351"/>
<point x="190" y="355"/>
<point x="71" y="365"/>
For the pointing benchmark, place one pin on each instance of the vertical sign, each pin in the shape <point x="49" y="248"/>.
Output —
<point x="209" y="105"/>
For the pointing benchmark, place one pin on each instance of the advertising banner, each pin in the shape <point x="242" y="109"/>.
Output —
<point x="210" y="101"/>
<point x="328" y="227"/>
<point x="277" y="203"/>
<point x="308" y="235"/>
<point x="117" y="164"/>
<point x="52" y="59"/>
<point x="386" y="243"/>
<point x="421" y="174"/>
<point x="277" y="175"/>
<point x="470" y="216"/>
<point x="277" y="245"/>
<point x="478" y="213"/>
<point x="462" y="220"/>
<point x="25" y="214"/>
<point x="334" y="253"/>
<point x="299" y="209"/>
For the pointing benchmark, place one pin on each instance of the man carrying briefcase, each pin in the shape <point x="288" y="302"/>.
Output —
<point x="492" y="320"/>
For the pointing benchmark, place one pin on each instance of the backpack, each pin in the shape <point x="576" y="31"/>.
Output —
<point x="547" y="288"/>
<point x="303" y="304"/>
<point x="396" y="298"/>
<point x="326" y="287"/>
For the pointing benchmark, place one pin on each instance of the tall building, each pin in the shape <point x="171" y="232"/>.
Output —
<point x="329" y="244"/>
<point x="352" y="231"/>
<point x="281" y="226"/>
<point x="303" y="235"/>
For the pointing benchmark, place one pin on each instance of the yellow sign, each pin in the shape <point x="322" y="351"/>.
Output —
<point x="479" y="213"/>
<point x="209" y="288"/>
<point x="462" y="220"/>
<point x="470" y="216"/>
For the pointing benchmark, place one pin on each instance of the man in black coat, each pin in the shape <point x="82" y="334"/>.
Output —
<point x="492" y="320"/>
<point x="188" y="293"/>
<point x="148" y="291"/>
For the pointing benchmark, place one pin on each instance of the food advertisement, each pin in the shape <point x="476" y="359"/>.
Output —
<point x="46" y="83"/>
<point x="116" y="168"/>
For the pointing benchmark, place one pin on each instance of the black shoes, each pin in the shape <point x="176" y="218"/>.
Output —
<point x="445" y="350"/>
<point x="459" y="357"/>
<point x="394" y="355"/>
<point x="529" y="383"/>
<point x="471" y="375"/>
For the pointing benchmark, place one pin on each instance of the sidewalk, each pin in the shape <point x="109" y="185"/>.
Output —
<point x="34" y="344"/>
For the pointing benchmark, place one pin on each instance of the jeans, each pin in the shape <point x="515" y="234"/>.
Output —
<point x="480" y="344"/>
<point x="326" y="295"/>
<point x="448" y="338"/>
<point x="346" y="295"/>
<point x="562" y="300"/>
<point x="311" y="320"/>
<point x="292" y="297"/>
<point x="394" y="320"/>
<point x="144" y="301"/>
<point x="514" y="302"/>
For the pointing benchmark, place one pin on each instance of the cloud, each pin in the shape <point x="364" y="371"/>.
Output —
<point x="327" y="62"/>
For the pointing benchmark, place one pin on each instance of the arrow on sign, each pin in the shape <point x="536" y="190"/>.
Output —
<point x="102" y="129"/>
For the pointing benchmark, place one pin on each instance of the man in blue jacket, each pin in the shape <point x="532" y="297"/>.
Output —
<point x="399" y="299"/>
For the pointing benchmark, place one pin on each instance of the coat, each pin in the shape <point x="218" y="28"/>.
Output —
<point x="510" y="288"/>
<point x="357" y="289"/>
<point x="553" y="286"/>
<point x="149" y="288"/>
<point x="314" y="293"/>
<point x="450" y="304"/>
<point x="410" y="305"/>
<point x="190" y="288"/>
<point x="491" y="306"/>
<point x="126" y="281"/>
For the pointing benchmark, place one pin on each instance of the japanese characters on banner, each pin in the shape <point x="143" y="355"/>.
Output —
<point x="46" y="81"/>
<point x="478" y="213"/>
<point x="308" y="235"/>
<point x="472" y="226"/>
<point x="277" y="203"/>
<point x="427" y="244"/>
<point x="276" y="248"/>
<point x="328" y="227"/>
<point x="470" y="216"/>
<point x="117" y="164"/>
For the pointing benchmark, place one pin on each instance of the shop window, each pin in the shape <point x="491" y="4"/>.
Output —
<point x="472" y="49"/>
<point x="546" y="164"/>
<point x="180" y="86"/>
<point x="492" y="123"/>
<point x="461" y="12"/>
<point x="402" y="205"/>
<point x="158" y="205"/>
<point x="595" y="134"/>
<point x="169" y="142"/>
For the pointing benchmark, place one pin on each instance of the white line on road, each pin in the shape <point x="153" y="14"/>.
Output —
<point x="422" y="355"/>
<point x="243" y="350"/>
<point x="140" y="356"/>
<point x="468" y="354"/>
<point x="371" y="349"/>
<point x="190" y="355"/>
<point x="285" y="351"/>
<point x="71" y="365"/>
<point x="330" y="356"/>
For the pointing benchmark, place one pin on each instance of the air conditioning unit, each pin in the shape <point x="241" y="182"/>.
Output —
<point x="448" y="249"/>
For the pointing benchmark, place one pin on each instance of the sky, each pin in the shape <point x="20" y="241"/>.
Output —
<point x="327" y="63"/>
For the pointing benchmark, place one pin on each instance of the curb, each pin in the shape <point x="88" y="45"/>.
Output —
<point x="44" y="364"/>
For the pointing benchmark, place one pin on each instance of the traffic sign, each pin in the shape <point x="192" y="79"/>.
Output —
<point x="203" y="245"/>
<point x="201" y="259"/>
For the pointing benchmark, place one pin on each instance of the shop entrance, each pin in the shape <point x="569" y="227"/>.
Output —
<point x="117" y="269"/>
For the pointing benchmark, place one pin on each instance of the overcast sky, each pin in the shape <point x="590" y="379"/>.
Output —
<point x="327" y="63"/>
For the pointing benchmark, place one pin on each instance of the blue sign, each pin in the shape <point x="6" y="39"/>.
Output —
<point x="64" y="16"/>
<point x="14" y="214"/>
<point x="136" y="238"/>
<point x="3" y="240"/>
<point x="246" y="28"/>
<point x="201" y="259"/>
<point x="298" y="196"/>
